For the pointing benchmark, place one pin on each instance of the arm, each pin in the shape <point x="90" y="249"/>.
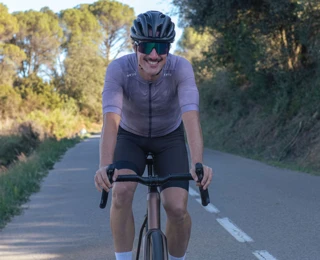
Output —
<point x="108" y="142"/>
<point x="108" y="139"/>
<point x="189" y="103"/>
<point x="112" y="98"/>
<point x="192" y="126"/>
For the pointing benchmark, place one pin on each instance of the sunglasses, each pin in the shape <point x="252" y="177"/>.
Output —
<point x="147" y="47"/>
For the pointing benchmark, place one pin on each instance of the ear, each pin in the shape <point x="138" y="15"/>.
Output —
<point x="134" y="47"/>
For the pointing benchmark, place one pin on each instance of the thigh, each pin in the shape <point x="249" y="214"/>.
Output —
<point x="172" y="159"/>
<point x="128" y="153"/>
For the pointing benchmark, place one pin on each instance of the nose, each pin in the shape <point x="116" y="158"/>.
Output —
<point x="153" y="54"/>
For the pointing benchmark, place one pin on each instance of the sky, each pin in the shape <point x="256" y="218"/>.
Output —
<point x="139" y="6"/>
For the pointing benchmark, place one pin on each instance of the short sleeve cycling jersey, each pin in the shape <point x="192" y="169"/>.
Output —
<point x="150" y="109"/>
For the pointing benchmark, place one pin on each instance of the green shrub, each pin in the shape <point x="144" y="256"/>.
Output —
<point x="10" y="102"/>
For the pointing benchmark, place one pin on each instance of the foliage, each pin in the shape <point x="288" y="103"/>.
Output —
<point x="115" y="19"/>
<point x="8" y="24"/>
<point x="52" y="60"/>
<point x="22" y="142"/>
<point x="193" y="46"/>
<point x="39" y="36"/>
<point x="264" y="66"/>
<point x="80" y="29"/>
<point x="84" y="80"/>
<point x="10" y="102"/>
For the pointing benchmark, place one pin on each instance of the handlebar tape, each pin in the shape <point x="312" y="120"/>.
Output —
<point x="205" y="199"/>
<point x="104" y="195"/>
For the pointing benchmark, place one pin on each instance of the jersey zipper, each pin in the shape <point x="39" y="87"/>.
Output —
<point x="150" y="110"/>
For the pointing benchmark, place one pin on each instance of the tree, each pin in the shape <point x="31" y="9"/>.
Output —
<point x="115" y="19"/>
<point x="193" y="46"/>
<point x="39" y="36"/>
<point x="83" y="80"/>
<point x="80" y="28"/>
<point x="10" y="55"/>
<point x="8" y="24"/>
<point x="10" y="61"/>
<point x="84" y="67"/>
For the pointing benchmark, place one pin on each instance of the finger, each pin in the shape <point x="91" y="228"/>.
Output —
<point x="96" y="182"/>
<point x="205" y="175"/>
<point x="102" y="184"/>
<point x="193" y="174"/>
<point x="105" y="178"/>
<point x="97" y="187"/>
<point x="115" y="175"/>
<point x="209" y="179"/>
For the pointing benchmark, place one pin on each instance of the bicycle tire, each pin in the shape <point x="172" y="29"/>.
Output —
<point x="156" y="247"/>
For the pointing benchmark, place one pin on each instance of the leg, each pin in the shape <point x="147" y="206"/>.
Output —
<point x="173" y="158"/>
<point x="121" y="216"/>
<point x="127" y="155"/>
<point x="178" y="227"/>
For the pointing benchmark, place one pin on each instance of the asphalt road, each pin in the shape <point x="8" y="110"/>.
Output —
<point x="256" y="212"/>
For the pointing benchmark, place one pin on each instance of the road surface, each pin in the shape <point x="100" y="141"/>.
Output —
<point x="256" y="212"/>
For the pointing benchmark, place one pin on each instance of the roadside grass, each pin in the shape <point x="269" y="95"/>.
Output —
<point x="24" y="177"/>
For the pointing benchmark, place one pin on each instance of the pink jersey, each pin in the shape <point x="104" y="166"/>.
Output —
<point x="150" y="109"/>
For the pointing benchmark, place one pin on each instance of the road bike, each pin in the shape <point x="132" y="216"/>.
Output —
<point x="154" y="240"/>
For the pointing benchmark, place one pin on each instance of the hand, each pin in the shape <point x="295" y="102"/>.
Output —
<point x="101" y="180"/>
<point x="207" y="176"/>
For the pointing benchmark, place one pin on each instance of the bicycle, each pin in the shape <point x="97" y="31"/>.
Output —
<point x="155" y="242"/>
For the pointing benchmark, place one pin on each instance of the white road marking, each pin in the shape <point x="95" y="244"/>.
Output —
<point x="193" y="193"/>
<point x="263" y="255"/>
<point x="210" y="208"/>
<point x="236" y="232"/>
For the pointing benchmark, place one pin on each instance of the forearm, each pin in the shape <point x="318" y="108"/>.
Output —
<point x="192" y="126"/>
<point x="108" y="138"/>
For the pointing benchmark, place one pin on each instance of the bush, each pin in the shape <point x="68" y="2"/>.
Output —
<point x="23" y="141"/>
<point x="10" y="102"/>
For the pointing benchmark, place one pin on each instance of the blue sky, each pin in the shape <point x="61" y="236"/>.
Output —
<point x="139" y="6"/>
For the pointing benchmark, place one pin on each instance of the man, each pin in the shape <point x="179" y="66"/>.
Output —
<point x="149" y="99"/>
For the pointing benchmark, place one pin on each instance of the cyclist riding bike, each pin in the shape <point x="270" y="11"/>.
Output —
<point x="150" y="99"/>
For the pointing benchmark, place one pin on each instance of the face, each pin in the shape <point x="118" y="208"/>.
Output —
<point x="150" y="64"/>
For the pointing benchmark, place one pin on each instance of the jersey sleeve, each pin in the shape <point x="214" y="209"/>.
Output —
<point x="112" y="94"/>
<point x="187" y="89"/>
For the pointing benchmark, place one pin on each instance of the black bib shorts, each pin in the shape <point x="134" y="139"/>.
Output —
<point x="170" y="154"/>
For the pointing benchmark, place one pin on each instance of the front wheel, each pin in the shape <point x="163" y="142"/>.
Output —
<point x="157" y="247"/>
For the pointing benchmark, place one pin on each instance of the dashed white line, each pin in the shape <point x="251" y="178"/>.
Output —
<point x="264" y="255"/>
<point x="236" y="232"/>
<point x="193" y="193"/>
<point x="210" y="208"/>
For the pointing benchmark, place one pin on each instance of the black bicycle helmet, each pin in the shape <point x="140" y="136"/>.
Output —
<point x="153" y="26"/>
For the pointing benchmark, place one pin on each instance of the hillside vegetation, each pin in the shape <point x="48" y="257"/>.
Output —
<point x="52" y="69"/>
<point x="257" y="67"/>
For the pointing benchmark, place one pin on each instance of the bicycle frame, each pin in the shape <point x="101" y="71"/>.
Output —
<point x="153" y="218"/>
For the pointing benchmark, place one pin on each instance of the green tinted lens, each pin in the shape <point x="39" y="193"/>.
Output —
<point x="147" y="47"/>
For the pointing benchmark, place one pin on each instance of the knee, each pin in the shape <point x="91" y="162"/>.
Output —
<point x="122" y="195"/>
<point x="176" y="211"/>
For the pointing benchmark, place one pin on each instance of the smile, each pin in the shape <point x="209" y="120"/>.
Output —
<point x="153" y="62"/>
